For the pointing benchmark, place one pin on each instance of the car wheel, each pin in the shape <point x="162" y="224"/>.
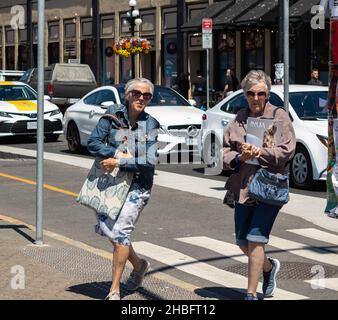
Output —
<point x="212" y="152"/>
<point x="51" y="137"/>
<point x="301" y="169"/>
<point x="73" y="138"/>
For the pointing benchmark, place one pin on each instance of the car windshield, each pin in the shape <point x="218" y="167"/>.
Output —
<point x="162" y="97"/>
<point x="16" y="92"/>
<point x="310" y="105"/>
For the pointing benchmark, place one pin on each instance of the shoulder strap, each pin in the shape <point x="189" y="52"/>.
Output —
<point x="114" y="120"/>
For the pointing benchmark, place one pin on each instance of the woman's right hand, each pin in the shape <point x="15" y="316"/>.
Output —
<point x="248" y="152"/>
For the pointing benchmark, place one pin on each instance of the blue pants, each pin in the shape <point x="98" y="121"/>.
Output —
<point x="254" y="223"/>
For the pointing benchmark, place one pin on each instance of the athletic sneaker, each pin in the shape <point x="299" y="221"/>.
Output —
<point x="269" y="278"/>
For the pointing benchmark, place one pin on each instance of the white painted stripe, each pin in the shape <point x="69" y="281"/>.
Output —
<point x="317" y="235"/>
<point x="70" y="160"/>
<point x="305" y="251"/>
<point x="224" y="248"/>
<point x="206" y="187"/>
<point x="202" y="270"/>
<point x="328" y="283"/>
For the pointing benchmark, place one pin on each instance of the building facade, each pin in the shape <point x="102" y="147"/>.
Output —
<point x="245" y="36"/>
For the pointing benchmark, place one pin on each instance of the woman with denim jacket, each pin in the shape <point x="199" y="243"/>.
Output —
<point x="254" y="220"/>
<point x="139" y="132"/>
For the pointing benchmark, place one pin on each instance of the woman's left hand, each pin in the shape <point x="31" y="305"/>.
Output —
<point x="109" y="164"/>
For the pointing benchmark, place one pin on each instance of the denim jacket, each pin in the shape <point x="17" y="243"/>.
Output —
<point x="107" y="138"/>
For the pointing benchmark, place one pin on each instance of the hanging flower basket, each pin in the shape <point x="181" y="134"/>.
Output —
<point x="126" y="47"/>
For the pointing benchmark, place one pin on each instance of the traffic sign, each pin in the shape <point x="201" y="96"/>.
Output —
<point x="207" y="40"/>
<point x="206" y="25"/>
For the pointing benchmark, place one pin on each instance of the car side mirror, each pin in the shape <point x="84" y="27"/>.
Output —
<point x="192" y="102"/>
<point x="46" y="97"/>
<point x="106" y="104"/>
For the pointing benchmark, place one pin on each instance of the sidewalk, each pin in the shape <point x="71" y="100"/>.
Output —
<point x="59" y="271"/>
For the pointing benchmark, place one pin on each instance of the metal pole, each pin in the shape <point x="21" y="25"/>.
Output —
<point x="96" y="36"/>
<point x="132" y="29"/>
<point x="208" y="70"/>
<point x="40" y="133"/>
<point x="286" y="55"/>
<point x="280" y="31"/>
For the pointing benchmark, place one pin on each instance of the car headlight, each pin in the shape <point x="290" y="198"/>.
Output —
<point x="55" y="112"/>
<point x="163" y="130"/>
<point x="5" y="114"/>
<point x="323" y="140"/>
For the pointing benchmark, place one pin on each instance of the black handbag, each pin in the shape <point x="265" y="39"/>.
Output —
<point x="270" y="188"/>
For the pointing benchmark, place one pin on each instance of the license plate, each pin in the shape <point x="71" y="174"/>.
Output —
<point x="72" y="100"/>
<point x="32" y="125"/>
<point x="190" y="141"/>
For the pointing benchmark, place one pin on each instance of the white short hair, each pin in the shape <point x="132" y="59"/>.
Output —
<point x="254" y="77"/>
<point x="130" y="85"/>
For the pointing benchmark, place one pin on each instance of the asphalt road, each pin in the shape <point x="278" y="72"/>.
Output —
<point x="171" y="220"/>
<point x="195" y="170"/>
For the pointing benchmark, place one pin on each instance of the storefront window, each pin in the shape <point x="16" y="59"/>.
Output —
<point x="23" y="58"/>
<point x="226" y="49"/>
<point x="108" y="59"/>
<point x="10" y="65"/>
<point x="107" y="26"/>
<point x="320" y="52"/>
<point x="254" y="50"/>
<point x="70" y="40"/>
<point x="87" y="53"/>
<point x="53" y="43"/>
<point x="170" y="60"/>
<point x="148" y="22"/>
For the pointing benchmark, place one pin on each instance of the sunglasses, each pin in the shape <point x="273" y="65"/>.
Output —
<point x="260" y="94"/>
<point x="137" y="94"/>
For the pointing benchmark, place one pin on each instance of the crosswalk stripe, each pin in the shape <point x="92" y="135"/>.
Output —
<point x="316" y="235"/>
<point x="328" y="283"/>
<point x="224" y="248"/>
<point x="303" y="250"/>
<point x="202" y="270"/>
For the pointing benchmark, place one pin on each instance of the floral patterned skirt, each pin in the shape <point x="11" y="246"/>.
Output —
<point x="120" y="229"/>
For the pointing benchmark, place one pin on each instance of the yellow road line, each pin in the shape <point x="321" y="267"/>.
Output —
<point x="31" y="182"/>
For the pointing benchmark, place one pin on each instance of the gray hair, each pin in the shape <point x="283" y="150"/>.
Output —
<point x="130" y="85"/>
<point x="254" y="77"/>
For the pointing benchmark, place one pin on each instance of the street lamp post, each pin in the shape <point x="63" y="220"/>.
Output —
<point x="133" y="17"/>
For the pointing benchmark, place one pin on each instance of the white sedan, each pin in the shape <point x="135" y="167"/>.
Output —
<point x="180" y="121"/>
<point x="18" y="112"/>
<point x="307" y="110"/>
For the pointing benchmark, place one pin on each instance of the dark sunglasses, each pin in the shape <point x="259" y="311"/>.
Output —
<point x="137" y="94"/>
<point x="260" y="94"/>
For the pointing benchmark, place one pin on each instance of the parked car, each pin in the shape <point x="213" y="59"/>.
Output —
<point x="18" y="112"/>
<point x="65" y="83"/>
<point x="180" y="122"/>
<point x="307" y="110"/>
<point x="11" y="75"/>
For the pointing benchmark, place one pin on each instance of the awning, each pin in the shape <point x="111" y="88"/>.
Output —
<point x="236" y="10"/>
<point x="302" y="8"/>
<point x="209" y="12"/>
<point x="263" y="13"/>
